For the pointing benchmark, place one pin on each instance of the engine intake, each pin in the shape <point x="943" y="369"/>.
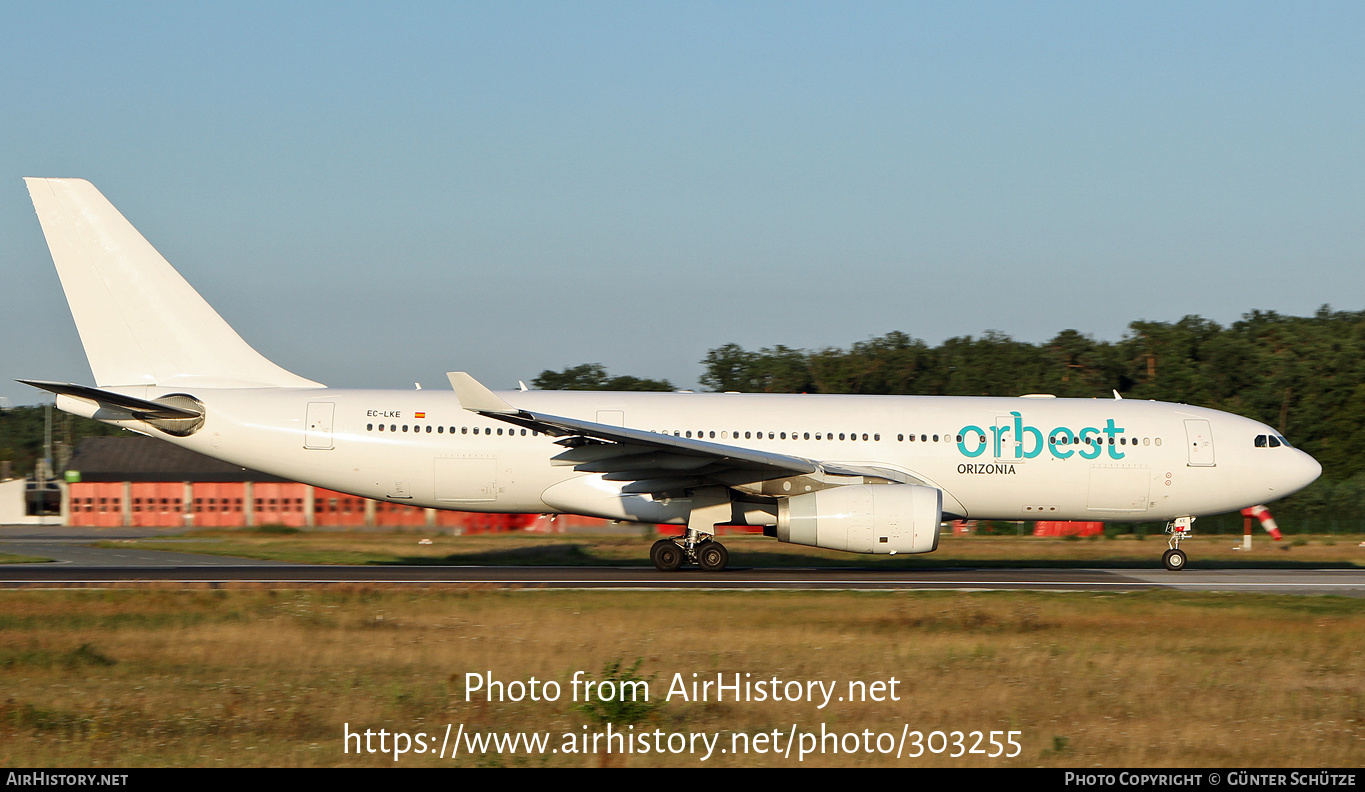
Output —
<point x="881" y="519"/>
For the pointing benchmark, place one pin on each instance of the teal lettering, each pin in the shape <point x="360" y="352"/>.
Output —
<point x="1090" y="451"/>
<point x="1059" y="441"/>
<point x="1019" y="430"/>
<point x="966" y="432"/>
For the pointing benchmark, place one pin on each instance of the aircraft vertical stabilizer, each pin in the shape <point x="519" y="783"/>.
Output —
<point x="140" y="322"/>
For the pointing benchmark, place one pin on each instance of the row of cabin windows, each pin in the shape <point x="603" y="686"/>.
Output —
<point x="702" y="434"/>
<point x="442" y="430"/>
<point x="752" y="435"/>
<point x="1065" y="440"/>
<point x="923" y="438"/>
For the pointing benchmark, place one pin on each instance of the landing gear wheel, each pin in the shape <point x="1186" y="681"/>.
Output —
<point x="666" y="555"/>
<point x="1179" y="529"/>
<point x="713" y="557"/>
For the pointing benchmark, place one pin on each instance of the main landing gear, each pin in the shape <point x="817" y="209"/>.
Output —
<point x="1181" y="528"/>
<point x="711" y="507"/>
<point x="669" y="555"/>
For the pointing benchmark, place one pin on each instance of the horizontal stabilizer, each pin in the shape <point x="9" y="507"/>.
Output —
<point x="140" y="408"/>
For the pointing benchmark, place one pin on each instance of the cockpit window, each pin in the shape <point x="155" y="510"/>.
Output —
<point x="1260" y="441"/>
<point x="1283" y="441"/>
<point x="1274" y="441"/>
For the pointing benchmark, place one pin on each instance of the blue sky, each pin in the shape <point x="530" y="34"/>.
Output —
<point x="374" y="197"/>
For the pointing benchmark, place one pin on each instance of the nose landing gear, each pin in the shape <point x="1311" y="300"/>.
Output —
<point x="1174" y="559"/>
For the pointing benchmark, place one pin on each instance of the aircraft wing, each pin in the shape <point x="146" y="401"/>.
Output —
<point x="652" y="462"/>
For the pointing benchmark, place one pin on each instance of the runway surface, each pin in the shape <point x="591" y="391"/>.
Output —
<point x="79" y="565"/>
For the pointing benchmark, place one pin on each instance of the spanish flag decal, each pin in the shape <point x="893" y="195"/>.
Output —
<point x="420" y="415"/>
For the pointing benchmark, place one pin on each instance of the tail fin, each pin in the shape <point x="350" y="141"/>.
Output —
<point x="140" y="322"/>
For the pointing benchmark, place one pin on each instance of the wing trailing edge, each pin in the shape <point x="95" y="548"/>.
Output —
<point x="653" y="461"/>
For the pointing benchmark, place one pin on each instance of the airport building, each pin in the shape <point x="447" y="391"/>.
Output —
<point x="143" y="482"/>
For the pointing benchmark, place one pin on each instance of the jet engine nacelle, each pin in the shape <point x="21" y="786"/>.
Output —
<point x="876" y="518"/>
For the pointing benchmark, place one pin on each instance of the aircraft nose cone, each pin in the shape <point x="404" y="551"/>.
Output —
<point x="1300" y="472"/>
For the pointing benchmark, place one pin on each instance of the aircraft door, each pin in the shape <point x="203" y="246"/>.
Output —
<point x="317" y="433"/>
<point x="1006" y="446"/>
<point x="1199" y="443"/>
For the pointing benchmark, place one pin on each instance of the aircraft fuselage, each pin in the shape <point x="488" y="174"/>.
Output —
<point x="993" y="458"/>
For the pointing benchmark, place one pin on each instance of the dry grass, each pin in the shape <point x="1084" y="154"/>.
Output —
<point x="169" y="677"/>
<point x="1206" y="551"/>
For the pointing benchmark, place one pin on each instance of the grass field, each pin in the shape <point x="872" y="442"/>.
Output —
<point x="583" y="550"/>
<point x="161" y="676"/>
<point x="158" y="676"/>
<point x="10" y="558"/>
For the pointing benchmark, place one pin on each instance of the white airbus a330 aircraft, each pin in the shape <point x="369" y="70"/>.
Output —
<point x="865" y="474"/>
